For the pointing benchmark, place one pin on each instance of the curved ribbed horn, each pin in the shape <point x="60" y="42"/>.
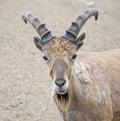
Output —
<point x="44" y="33"/>
<point x="72" y="32"/>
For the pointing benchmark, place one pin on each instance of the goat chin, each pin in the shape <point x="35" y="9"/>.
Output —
<point x="62" y="101"/>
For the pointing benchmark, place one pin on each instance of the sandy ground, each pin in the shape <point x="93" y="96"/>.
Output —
<point x="25" y="87"/>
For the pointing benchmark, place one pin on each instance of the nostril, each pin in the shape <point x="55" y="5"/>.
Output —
<point x="60" y="83"/>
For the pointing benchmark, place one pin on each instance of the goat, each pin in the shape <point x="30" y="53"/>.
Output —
<point x="86" y="85"/>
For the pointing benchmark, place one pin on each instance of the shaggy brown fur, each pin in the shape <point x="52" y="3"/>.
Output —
<point x="94" y="83"/>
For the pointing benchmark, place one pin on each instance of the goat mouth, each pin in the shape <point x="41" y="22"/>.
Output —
<point x="62" y="92"/>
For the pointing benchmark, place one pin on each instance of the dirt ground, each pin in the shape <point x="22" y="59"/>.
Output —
<point x="25" y="86"/>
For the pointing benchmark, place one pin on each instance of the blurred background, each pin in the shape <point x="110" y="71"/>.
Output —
<point x="25" y="86"/>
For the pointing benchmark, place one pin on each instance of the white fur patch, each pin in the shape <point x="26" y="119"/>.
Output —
<point x="82" y="73"/>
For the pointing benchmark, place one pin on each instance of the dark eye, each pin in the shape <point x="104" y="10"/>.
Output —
<point x="74" y="56"/>
<point x="45" y="58"/>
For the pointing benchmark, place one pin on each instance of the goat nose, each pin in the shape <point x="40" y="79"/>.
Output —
<point x="60" y="83"/>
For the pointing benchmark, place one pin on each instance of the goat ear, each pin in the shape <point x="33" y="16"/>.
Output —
<point x="38" y="43"/>
<point x="79" y="41"/>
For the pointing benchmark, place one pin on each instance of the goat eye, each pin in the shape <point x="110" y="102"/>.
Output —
<point x="74" y="56"/>
<point x="45" y="58"/>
